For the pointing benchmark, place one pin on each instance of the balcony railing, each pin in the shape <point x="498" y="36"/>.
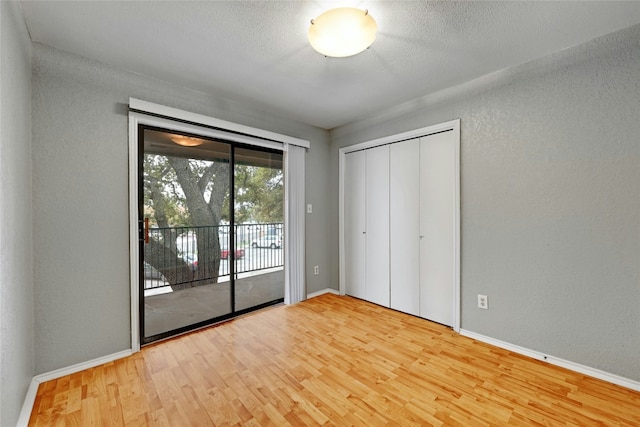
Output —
<point x="257" y="247"/>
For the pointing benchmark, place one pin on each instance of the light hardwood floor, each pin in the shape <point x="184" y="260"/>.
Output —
<point x="330" y="361"/>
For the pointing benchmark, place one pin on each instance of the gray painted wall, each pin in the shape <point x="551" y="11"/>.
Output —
<point x="550" y="199"/>
<point x="80" y="202"/>
<point x="16" y="280"/>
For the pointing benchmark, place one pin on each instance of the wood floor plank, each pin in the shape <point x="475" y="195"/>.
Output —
<point x="330" y="361"/>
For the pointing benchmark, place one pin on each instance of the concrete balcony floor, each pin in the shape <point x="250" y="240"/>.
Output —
<point x="174" y="309"/>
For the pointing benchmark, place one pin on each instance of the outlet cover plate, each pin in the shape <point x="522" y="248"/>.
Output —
<point x="483" y="302"/>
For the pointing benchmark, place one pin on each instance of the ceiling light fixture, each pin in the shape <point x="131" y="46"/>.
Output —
<point x="342" y="32"/>
<point x="186" y="141"/>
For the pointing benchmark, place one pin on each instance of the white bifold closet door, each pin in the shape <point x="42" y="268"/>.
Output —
<point x="366" y="224"/>
<point x="354" y="223"/>
<point x="437" y="227"/>
<point x="377" y="225"/>
<point x="404" y="236"/>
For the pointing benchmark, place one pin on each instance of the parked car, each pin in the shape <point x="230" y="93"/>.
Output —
<point x="191" y="259"/>
<point x="224" y="253"/>
<point x="269" y="241"/>
<point x="152" y="273"/>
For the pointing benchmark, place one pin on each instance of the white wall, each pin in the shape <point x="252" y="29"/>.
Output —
<point x="550" y="199"/>
<point x="16" y="281"/>
<point x="80" y="135"/>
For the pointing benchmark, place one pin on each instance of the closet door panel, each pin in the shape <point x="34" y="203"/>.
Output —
<point x="404" y="220"/>
<point x="377" y="225"/>
<point x="437" y="222"/>
<point x="354" y="223"/>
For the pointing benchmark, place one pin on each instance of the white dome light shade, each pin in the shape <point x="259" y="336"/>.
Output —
<point x="186" y="141"/>
<point x="341" y="32"/>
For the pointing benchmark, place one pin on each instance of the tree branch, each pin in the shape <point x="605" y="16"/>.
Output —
<point x="196" y="205"/>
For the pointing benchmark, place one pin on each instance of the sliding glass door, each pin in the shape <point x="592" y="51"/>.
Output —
<point x="212" y="240"/>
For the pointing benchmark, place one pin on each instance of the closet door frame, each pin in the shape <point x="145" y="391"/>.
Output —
<point x="453" y="126"/>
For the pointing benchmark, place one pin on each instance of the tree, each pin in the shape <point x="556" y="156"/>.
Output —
<point x="181" y="192"/>
<point x="259" y="194"/>
<point x="197" y="200"/>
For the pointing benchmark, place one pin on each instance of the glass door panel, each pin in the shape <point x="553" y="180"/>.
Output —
<point x="185" y="191"/>
<point x="259" y="229"/>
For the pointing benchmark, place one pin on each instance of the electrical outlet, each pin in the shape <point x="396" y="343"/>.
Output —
<point x="316" y="270"/>
<point x="483" y="302"/>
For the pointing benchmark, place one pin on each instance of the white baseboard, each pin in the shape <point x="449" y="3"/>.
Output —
<point x="27" y="405"/>
<point x="48" y="376"/>
<point x="322" y="292"/>
<point x="572" y="366"/>
<point x="30" y="398"/>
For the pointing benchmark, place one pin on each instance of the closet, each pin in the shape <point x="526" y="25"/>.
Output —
<point x="400" y="225"/>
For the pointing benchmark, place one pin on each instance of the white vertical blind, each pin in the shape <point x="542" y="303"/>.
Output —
<point x="294" y="256"/>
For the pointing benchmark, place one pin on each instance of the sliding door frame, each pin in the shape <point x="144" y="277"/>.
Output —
<point x="143" y="113"/>
<point x="454" y="126"/>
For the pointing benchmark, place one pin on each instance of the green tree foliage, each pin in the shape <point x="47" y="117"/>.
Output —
<point x="259" y="194"/>
<point x="163" y="197"/>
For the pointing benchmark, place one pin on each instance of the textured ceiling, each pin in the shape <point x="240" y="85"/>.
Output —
<point x="256" y="51"/>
